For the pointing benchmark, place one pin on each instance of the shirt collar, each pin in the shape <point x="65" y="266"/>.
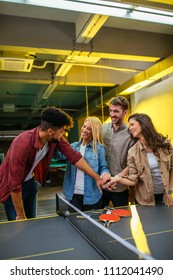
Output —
<point x="141" y="147"/>
<point x="89" y="144"/>
<point x="122" y="127"/>
<point x="36" y="140"/>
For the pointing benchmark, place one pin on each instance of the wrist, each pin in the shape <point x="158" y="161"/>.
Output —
<point x="21" y="217"/>
<point x="117" y="177"/>
<point x="97" y="178"/>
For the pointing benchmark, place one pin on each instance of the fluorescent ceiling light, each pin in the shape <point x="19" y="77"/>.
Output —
<point x="149" y="76"/>
<point x="8" y="108"/>
<point x="75" y="60"/>
<point x="137" y="87"/>
<point x="87" y="25"/>
<point x="63" y="70"/>
<point x="49" y="91"/>
<point x="94" y="25"/>
<point x="107" y="8"/>
<point x="151" y="15"/>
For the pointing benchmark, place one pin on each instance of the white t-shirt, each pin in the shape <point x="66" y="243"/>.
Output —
<point x="155" y="173"/>
<point x="79" y="183"/>
<point x="39" y="155"/>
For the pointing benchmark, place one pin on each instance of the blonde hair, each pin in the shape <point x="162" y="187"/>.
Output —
<point x="96" y="129"/>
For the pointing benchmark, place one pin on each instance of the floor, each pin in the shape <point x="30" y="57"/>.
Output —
<point x="46" y="201"/>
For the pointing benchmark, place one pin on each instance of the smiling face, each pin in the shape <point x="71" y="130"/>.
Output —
<point x="135" y="128"/>
<point x="117" y="114"/>
<point x="86" y="132"/>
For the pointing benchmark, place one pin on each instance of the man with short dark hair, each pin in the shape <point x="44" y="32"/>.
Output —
<point x="27" y="161"/>
<point x="117" y="141"/>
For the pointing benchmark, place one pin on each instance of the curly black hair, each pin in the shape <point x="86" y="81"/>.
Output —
<point x="55" y="117"/>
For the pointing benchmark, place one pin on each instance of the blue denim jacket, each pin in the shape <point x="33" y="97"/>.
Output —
<point x="99" y="165"/>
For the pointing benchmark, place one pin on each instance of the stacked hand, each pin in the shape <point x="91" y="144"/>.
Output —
<point x="109" y="183"/>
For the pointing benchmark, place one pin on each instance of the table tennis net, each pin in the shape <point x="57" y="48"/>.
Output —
<point x="110" y="245"/>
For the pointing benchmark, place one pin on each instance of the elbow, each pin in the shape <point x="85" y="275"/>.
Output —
<point x="75" y="160"/>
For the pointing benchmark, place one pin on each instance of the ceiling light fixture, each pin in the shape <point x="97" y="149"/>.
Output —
<point x="63" y="70"/>
<point x="94" y="25"/>
<point x="149" y="76"/>
<point x="87" y="26"/>
<point x="107" y="8"/>
<point x="8" y="108"/>
<point x="49" y="91"/>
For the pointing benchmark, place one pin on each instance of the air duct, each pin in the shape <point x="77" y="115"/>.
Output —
<point x="16" y="64"/>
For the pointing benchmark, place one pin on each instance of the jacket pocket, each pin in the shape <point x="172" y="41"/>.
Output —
<point x="92" y="160"/>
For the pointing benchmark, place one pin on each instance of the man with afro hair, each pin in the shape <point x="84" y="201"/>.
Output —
<point x="27" y="163"/>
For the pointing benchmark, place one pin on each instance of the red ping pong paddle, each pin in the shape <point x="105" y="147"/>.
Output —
<point x="109" y="218"/>
<point x="121" y="212"/>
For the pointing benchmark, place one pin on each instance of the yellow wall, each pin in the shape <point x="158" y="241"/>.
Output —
<point x="157" y="102"/>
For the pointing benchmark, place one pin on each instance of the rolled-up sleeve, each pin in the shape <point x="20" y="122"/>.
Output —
<point x="66" y="149"/>
<point x="133" y="172"/>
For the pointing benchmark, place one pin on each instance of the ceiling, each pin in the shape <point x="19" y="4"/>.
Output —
<point x="76" y="57"/>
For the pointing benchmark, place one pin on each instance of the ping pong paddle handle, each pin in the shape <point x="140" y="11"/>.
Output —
<point x="107" y="224"/>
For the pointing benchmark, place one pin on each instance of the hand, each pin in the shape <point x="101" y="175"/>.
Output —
<point x="168" y="200"/>
<point x="21" y="217"/>
<point x="105" y="177"/>
<point x="99" y="183"/>
<point x="110" y="185"/>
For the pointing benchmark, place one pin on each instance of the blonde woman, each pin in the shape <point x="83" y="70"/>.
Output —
<point x="78" y="187"/>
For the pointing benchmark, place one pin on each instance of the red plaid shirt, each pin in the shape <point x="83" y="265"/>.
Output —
<point x="20" y="158"/>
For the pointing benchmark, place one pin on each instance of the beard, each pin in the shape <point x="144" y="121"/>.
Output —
<point x="117" y="121"/>
<point x="54" y="140"/>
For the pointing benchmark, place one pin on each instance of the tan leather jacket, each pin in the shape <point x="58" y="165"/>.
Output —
<point x="139" y="171"/>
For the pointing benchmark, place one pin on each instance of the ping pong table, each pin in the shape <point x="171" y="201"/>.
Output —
<point x="56" y="237"/>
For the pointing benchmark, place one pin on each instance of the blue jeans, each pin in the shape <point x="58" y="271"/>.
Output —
<point x="29" y="197"/>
